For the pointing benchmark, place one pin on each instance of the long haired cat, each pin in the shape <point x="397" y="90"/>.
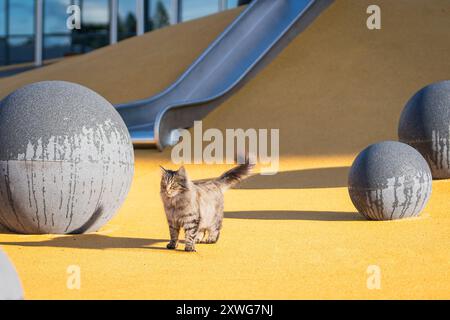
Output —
<point x="197" y="206"/>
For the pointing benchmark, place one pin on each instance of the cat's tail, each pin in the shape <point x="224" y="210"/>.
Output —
<point x="233" y="176"/>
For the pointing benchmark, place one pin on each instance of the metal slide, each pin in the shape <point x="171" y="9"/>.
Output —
<point x="256" y="36"/>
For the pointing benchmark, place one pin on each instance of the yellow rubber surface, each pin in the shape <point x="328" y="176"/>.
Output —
<point x="337" y="88"/>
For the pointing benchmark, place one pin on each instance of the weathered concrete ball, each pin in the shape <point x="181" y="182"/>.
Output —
<point x="389" y="180"/>
<point x="10" y="287"/>
<point x="66" y="159"/>
<point x="425" y="125"/>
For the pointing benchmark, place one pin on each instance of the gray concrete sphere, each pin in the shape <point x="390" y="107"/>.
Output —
<point x="425" y="125"/>
<point x="389" y="180"/>
<point x="66" y="159"/>
<point x="10" y="287"/>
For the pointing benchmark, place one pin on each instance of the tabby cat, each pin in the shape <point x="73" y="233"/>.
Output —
<point x="197" y="206"/>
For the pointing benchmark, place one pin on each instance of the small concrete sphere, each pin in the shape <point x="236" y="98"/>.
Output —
<point x="425" y="125"/>
<point x="66" y="159"/>
<point x="389" y="180"/>
<point x="10" y="287"/>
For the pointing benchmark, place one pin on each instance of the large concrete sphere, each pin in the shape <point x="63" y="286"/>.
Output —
<point x="425" y="125"/>
<point x="10" y="287"/>
<point x="389" y="180"/>
<point x="66" y="159"/>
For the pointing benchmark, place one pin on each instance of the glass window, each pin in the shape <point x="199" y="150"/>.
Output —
<point x="55" y="16"/>
<point x="232" y="3"/>
<point x="21" y="17"/>
<point x="3" y="51"/>
<point x="56" y="43"/>
<point x="89" y="41"/>
<point x="241" y="2"/>
<point x="192" y="9"/>
<point x="2" y="19"/>
<point x="157" y="14"/>
<point x="94" y="32"/>
<point x="21" y="49"/>
<point x="57" y="46"/>
<point x="127" y="19"/>
<point x="95" y="12"/>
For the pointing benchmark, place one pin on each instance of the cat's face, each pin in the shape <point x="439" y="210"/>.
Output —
<point x="173" y="182"/>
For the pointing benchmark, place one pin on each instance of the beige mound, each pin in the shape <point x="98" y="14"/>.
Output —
<point x="335" y="89"/>
<point x="339" y="86"/>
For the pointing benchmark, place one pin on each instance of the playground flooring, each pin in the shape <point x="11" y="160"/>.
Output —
<point x="335" y="89"/>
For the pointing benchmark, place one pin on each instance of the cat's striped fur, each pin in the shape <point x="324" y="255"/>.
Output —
<point x="197" y="206"/>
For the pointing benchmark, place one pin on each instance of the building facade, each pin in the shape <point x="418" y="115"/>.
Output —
<point x="36" y="30"/>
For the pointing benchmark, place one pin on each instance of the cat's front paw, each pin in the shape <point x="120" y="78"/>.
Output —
<point x="171" y="245"/>
<point x="189" y="249"/>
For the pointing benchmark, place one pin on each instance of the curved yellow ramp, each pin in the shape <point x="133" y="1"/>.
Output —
<point x="337" y="88"/>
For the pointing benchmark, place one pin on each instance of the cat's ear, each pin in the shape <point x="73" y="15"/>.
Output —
<point x="163" y="171"/>
<point x="182" y="171"/>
